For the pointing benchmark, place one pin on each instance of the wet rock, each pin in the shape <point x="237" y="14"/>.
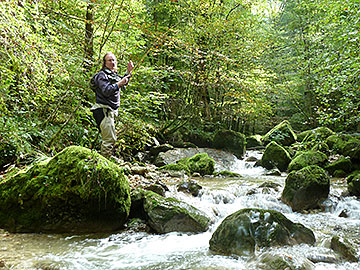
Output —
<point x="227" y="174"/>
<point x="306" y="188"/>
<point x="167" y="214"/>
<point x="344" y="213"/>
<point x="200" y="163"/>
<point x="344" y="248"/>
<point x="269" y="261"/>
<point x="353" y="182"/>
<point x="251" y="159"/>
<point x="343" y="163"/>
<point x="271" y="185"/>
<point x="189" y="186"/>
<point x="77" y="190"/>
<point x="324" y="258"/>
<point x="231" y="141"/>
<point x="273" y="172"/>
<point x="308" y="158"/>
<point x="282" y="134"/>
<point x="275" y="156"/>
<point x="160" y="148"/>
<point x="246" y="229"/>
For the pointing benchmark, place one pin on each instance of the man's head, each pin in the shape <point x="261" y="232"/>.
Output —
<point x="109" y="61"/>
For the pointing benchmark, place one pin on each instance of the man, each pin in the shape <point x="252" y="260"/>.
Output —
<point x="107" y="85"/>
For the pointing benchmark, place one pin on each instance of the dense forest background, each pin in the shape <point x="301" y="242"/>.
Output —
<point x="200" y="65"/>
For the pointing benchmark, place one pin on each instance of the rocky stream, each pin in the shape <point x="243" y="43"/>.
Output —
<point x="218" y="198"/>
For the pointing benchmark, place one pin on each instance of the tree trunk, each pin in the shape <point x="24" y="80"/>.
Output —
<point x="89" y="33"/>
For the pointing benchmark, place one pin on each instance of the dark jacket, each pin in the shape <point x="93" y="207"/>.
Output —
<point x="107" y="92"/>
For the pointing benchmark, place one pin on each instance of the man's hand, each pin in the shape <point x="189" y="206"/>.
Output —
<point x="130" y="67"/>
<point x="124" y="81"/>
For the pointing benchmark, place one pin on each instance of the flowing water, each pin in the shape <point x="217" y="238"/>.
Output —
<point x="219" y="198"/>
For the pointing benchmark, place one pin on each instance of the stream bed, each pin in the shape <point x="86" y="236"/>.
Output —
<point x="219" y="198"/>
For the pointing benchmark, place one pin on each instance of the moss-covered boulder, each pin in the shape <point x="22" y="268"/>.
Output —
<point x="167" y="214"/>
<point x="246" y="229"/>
<point x="308" y="158"/>
<point x="342" y="143"/>
<point x="275" y="156"/>
<point x="343" y="163"/>
<point x="316" y="135"/>
<point x="282" y="133"/>
<point x="231" y="141"/>
<point x="199" y="163"/>
<point x="254" y="141"/>
<point x="306" y="188"/>
<point x="8" y="153"/>
<point x="77" y="190"/>
<point x="353" y="182"/>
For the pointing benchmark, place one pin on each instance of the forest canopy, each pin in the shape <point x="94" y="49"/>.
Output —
<point x="199" y="64"/>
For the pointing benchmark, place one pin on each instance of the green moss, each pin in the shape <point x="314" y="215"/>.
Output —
<point x="353" y="181"/>
<point x="76" y="183"/>
<point x="305" y="188"/>
<point x="275" y="156"/>
<point x="282" y="133"/>
<point x="200" y="163"/>
<point x="308" y="158"/>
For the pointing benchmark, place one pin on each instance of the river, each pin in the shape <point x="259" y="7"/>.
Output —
<point x="219" y="198"/>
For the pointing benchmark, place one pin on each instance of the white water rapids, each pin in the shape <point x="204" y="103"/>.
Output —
<point x="219" y="198"/>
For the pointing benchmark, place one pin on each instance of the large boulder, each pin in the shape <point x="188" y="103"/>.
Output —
<point x="200" y="163"/>
<point x="231" y="141"/>
<point x="282" y="133"/>
<point x="353" y="182"/>
<point x="275" y="156"/>
<point x="243" y="231"/>
<point x="166" y="215"/>
<point x="307" y="158"/>
<point x="306" y="188"/>
<point x="77" y="190"/>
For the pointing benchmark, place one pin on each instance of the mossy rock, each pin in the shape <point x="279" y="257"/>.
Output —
<point x="337" y="143"/>
<point x="282" y="261"/>
<point x="275" y="156"/>
<point x="166" y="215"/>
<point x="7" y="154"/>
<point x="343" y="163"/>
<point x="318" y="134"/>
<point x="77" y="190"/>
<point x="344" y="248"/>
<point x="282" y="133"/>
<point x="353" y="182"/>
<point x="254" y="141"/>
<point x="308" y="158"/>
<point x="229" y="140"/>
<point x="306" y="188"/>
<point x="243" y="231"/>
<point x="199" y="163"/>
<point x="227" y="174"/>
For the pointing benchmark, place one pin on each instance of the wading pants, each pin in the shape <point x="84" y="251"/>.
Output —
<point x="104" y="117"/>
<point x="108" y="133"/>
